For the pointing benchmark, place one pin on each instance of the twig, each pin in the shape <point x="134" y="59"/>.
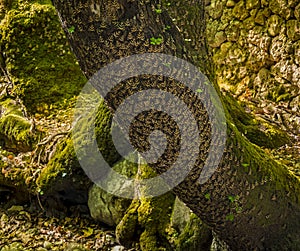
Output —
<point x="39" y="201"/>
<point x="52" y="137"/>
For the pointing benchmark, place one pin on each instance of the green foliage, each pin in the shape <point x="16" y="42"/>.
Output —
<point x="230" y="217"/>
<point x="71" y="29"/>
<point x="156" y="41"/>
<point x="207" y="196"/>
<point x="232" y="198"/>
<point x="167" y="27"/>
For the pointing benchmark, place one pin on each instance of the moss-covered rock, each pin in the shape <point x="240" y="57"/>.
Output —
<point x="106" y="207"/>
<point x="260" y="36"/>
<point x="189" y="232"/>
<point x="239" y="11"/>
<point x="40" y="64"/>
<point x="293" y="30"/>
<point x="16" y="132"/>
<point x="195" y="236"/>
<point x="274" y="25"/>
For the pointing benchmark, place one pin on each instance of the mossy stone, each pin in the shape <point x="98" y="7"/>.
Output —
<point x="297" y="12"/>
<point x="15" y="129"/>
<point x="38" y="61"/>
<point x="65" y="159"/>
<point x="260" y="18"/>
<point x="274" y="25"/>
<point x="215" y="10"/>
<point x="239" y="11"/>
<point x="219" y="38"/>
<point x="233" y="31"/>
<point x="106" y="207"/>
<point x="196" y="236"/>
<point x="293" y="30"/>
<point x="252" y="4"/>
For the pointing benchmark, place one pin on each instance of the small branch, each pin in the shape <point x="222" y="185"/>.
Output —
<point x="52" y="137"/>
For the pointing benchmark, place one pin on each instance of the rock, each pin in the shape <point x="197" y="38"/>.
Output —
<point x="274" y="25"/>
<point x="221" y="55"/>
<point x="264" y="3"/>
<point x="233" y="31"/>
<point x="236" y="56"/>
<point x="15" y="246"/>
<point x="260" y="18"/>
<point x="74" y="247"/>
<point x="180" y="215"/>
<point x="29" y="58"/>
<point x="219" y="38"/>
<point x="118" y="248"/>
<point x="226" y="20"/>
<point x="15" y="209"/>
<point x="106" y="207"/>
<point x="249" y="23"/>
<point x="283" y="69"/>
<point x="252" y="4"/>
<point x="297" y="12"/>
<point x="41" y="249"/>
<point x="4" y="218"/>
<point x="47" y="245"/>
<point x="293" y="30"/>
<point x="277" y="49"/>
<point x="215" y="10"/>
<point x="296" y="47"/>
<point x="230" y="3"/>
<point x="195" y="236"/>
<point x="239" y="11"/>
<point x="281" y="8"/>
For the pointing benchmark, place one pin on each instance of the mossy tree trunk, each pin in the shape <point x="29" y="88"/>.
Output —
<point x="251" y="201"/>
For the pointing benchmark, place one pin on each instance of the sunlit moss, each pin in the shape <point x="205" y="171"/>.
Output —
<point x="38" y="57"/>
<point x="257" y="131"/>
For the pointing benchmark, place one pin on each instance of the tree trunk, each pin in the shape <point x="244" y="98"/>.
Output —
<point x="251" y="201"/>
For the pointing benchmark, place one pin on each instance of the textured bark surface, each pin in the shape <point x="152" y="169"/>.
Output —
<point x="253" y="202"/>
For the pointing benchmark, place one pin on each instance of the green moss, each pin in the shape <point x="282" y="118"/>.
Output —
<point x="41" y="64"/>
<point x="146" y="221"/>
<point x="196" y="236"/>
<point x="267" y="175"/>
<point x="103" y="134"/>
<point x="127" y="231"/>
<point x="15" y="130"/>
<point x="257" y="131"/>
<point x="9" y="106"/>
<point x="65" y="159"/>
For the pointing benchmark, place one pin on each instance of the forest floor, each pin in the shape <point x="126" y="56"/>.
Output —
<point x="29" y="228"/>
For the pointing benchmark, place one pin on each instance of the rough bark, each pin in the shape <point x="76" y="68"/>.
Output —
<point x="253" y="201"/>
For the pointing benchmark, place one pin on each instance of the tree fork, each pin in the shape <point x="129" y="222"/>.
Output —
<point x="251" y="201"/>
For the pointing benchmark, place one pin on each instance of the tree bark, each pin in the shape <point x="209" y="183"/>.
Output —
<point x="253" y="201"/>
